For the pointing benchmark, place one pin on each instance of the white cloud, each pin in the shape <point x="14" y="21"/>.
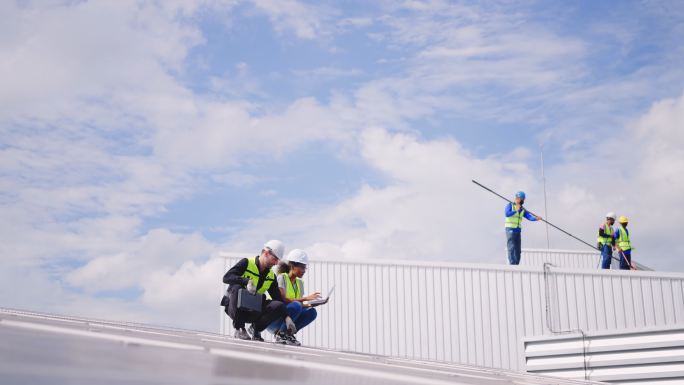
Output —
<point x="108" y="135"/>
<point x="157" y="252"/>
<point x="190" y="283"/>
<point x="189" y="296"/>
<point x="238" y="83"/>
<point x="236" y="179"/>
<point x="306" y="21"/>
<point x="355" y="22"/>
<point x="328" y="72"/>
<point x="429" y="210"/>
<point x="86" y="50"/>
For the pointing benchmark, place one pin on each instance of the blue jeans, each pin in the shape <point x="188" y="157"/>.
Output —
<point x="513" y="244"/>
<point x="300" y="315"/>
<point x="606" y="256"/>
<point x="623" y="264"/>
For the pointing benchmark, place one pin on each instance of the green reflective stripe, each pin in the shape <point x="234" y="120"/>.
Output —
<point x="298" y="292"/>
<point x="254" y="277"/>
<point x="606" y="240"/>
<point x="292" y="291"/>
<point x="515" y="220"/>
<point x="623" y="239"/>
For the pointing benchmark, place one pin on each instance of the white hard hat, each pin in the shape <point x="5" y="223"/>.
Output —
<point x="276" y="247"/>
<point x="298" y="256"/>
<point x="611" y="215"/>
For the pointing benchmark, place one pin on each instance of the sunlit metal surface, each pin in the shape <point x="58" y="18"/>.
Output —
<point x="44" y="349"/>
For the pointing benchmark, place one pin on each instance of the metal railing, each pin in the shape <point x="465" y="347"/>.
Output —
<point x="472" y="313"/>
<point x="572" y="259"/>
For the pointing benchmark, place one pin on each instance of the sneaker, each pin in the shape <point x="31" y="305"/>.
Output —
<point x="242" y="334"/>
<point x="290" y="339"/>
<point x="280" y="338"/>
<point x="256" y="336"/>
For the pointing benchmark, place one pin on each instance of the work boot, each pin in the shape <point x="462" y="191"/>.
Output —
<point x="280" y="338"/>
<point x="292" y="340"/>
<point x="242" y="334"/>
<point x="256" y="336"/>
<point x="286" y="339"/>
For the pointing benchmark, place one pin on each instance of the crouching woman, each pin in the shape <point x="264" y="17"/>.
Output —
<point x="290" y="273"/>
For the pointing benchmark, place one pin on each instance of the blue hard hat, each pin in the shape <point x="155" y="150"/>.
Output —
<point x="520" y="194"/>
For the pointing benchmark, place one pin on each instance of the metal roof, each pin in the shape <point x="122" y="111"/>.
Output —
<point x="46" y="349"/>
<point x="474" y="314"/>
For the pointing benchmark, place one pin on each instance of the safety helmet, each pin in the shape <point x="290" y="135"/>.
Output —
<point x="623" y="219"/>
<point x="611" y="215"/>
<point x="276" y="247"/>
<point x="520" y="194"/>
<point x="297" y="256"/>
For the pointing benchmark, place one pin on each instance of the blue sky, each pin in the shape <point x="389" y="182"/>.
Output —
<point x="139" y="139"/>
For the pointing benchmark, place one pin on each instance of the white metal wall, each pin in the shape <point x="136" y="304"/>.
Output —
<point x="476" y="314"/>
<point x="572" y="259"/>
<point x="623" y="356"/>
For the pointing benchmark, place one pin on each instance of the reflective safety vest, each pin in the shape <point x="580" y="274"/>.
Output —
<point x="252" y="272"/>
<point x="607" y="229"/>
<point x="515" y="220"/>
<point x="623" y="239"/>
<point x="292" y="291"/>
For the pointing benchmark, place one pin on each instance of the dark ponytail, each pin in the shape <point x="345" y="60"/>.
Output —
<point x="283" y="267"/>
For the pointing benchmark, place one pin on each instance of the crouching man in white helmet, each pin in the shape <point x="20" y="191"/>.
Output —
<point x="256" y="275"/>
<point x="290" y="273"/>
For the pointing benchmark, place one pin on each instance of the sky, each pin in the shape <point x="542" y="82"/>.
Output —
<point x="138" y="139"/>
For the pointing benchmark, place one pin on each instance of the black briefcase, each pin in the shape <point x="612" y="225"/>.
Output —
<point x="247" y="301"/>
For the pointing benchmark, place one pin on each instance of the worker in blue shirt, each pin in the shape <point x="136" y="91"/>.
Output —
<point x="514" y="214"/>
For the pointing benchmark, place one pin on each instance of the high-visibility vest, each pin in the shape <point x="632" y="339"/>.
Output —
<point x="252" y="272"/>
<point x="292" y="291"/>
<point x="607" y="229"/>
<point x="623" y="239"/>
<point x="515" y="220"/>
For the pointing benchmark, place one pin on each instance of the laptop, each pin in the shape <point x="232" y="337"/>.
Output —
<point x="321" y="301"/>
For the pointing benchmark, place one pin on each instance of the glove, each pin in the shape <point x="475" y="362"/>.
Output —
<point x="250" y="287"/>
<point x="291" y="328"/>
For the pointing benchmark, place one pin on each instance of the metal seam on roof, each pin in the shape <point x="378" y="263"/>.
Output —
<point x="103" y="336"/>
<point x="375" y="368"/>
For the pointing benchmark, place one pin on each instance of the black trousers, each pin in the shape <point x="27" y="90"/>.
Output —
<point x="270" y="311"/>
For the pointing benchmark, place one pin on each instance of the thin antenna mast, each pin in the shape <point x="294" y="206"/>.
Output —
<point x="541" y="153"/>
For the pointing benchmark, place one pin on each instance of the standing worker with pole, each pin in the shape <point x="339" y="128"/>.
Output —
<point x="606" y="241"/>
<point x="624" y="245"/>
<point x="518" y="203"/>
<point x="514" y="214"/>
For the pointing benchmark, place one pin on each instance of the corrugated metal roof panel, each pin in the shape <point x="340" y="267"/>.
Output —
<point x="643" y="355"/>
<point x="43" y="349"/>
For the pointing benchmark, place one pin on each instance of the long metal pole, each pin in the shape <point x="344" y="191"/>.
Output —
<point x="546" y="213"/>
<point x="543" y="220"/>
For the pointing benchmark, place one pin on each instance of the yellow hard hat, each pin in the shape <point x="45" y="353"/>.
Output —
<point x="623" y="219"/>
